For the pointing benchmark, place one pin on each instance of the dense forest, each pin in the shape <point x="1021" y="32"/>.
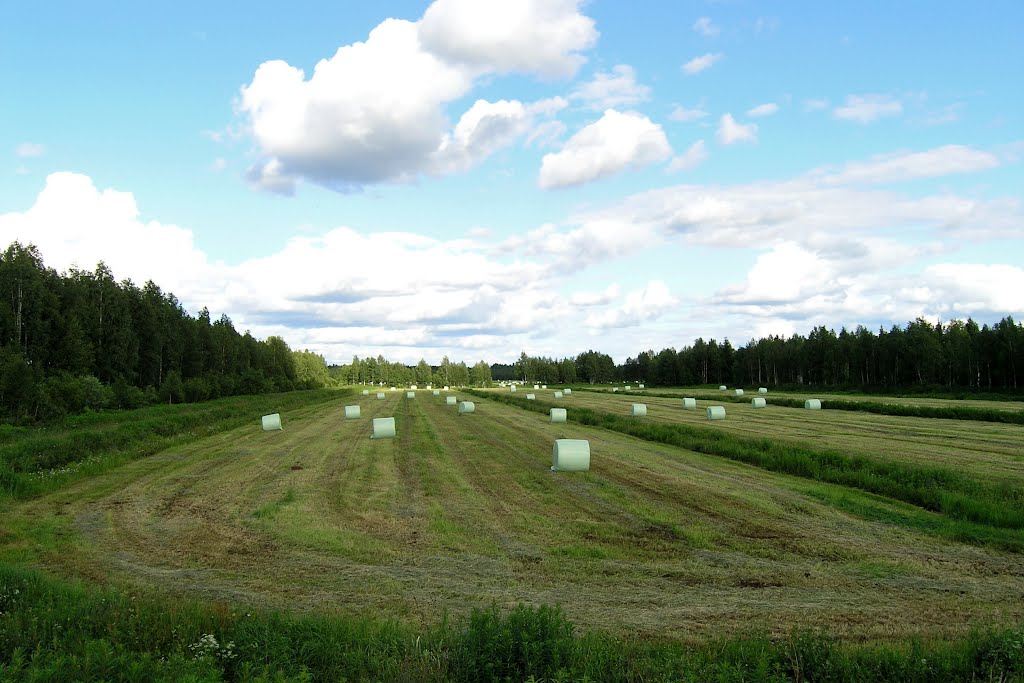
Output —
<point x="80" y="340"/>
<point x="386" y="373"/>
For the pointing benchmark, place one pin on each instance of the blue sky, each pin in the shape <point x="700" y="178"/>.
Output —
<point x="479" y="178"/>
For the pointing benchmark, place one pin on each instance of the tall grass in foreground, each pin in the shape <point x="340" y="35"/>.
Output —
<point x="37" y="460"/>
<point x="51" y="630"/>
<point x="970" y="413"/>
<point x="932" y="488"/>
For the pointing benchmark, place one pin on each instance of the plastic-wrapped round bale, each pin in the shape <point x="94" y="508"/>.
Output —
<point x="567" y="391"/>
<point x="722" y="388"/>
<point x="531" y="397"/>
<point x="758" y="402"/>
<point x="628" y="387"/>
<point x="812" y="404"/>
<point x="380" y="395"/>
<point x="762" y="390"/>
<point x="558" y="394"/>
<point x="383" y="428"/>
<point x="446" y="387"/>
<point x="543" y="386"/>
<point x="272" y="422"/>
<point x="557" y="414"/>
<point x="467" y="407"/>
<point x="366" y="392"/>
<point x="451" y="400"/>
<point x="640" y="386"/>
<point x="512" y="388"/>
<point x="570" y="455"/>
<point x="413" y="387"/>
<point x="716" y="412"/>
<point x="351" y="412"/>
<point x="639" y="410"/>
<point x="689" y="404"/>
<point x="410" y="394"/>
<point x="614" y="389"/>
<point x="437" y="392"/>
<point x="536" y="386"/>
<point x="739" y="392"/>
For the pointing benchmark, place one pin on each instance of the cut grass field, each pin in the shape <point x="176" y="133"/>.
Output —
<point x="461" y="512"/>
<point x="991" y="452"/>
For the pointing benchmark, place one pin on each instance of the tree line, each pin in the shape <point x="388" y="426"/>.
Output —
<point x="80" y="340"/>
<point x="381" y="372"/>
<point x="958" y="355"/>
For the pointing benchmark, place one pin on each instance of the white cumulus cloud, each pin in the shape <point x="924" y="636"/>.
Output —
<point x="694" y="156"/>
<point x="29" y="149"/>
<point x="684" y="115"/>
<point x="766" y="109"/>
<point x="730" y="131"/>
<point x="609" y="90"/>
<point x="640" y="306"/>
<point x="698" y="64"/>
<point x="868" y="108"/>
<point x="614" y="143"/>
<point x="706" y="27"/>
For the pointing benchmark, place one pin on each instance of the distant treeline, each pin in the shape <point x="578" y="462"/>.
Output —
<point x="382" y="372"/>
<point x="77" y="340"/>
<point x="956" y="356"/>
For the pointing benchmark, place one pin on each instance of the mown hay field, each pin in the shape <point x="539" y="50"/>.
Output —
<point x="462" y="511"/>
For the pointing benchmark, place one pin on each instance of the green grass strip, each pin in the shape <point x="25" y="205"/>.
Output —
<point x="55" y="630"/>
<point x="36" y="461"/>
<point x="932" y="488"/>
<point x="877" y="407"/>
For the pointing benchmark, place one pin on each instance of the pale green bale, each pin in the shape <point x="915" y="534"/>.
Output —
<point x="543" y="386"/>
<point x="812" y="404"/>
<point x="413" y="387"/>
<point x="383" y="428"/>
<point x="628" y="387"/>
<point x="689" y="404"/>
<point x="640" y="386"/>
<point x="762" y="390"/>
<point x="467" y="407"/>
<point x="615" y="389"/>
<point x="410" y="394"/>
<point x="567" y="392"/>
<point x="272" y="423"/>
<point x="570" y="455"/>
<point x="446" y="387"/>
<point x="436" y="392"/>
<point x="739" y="392"/>
<point x="351" y="412"/>
<point x="381" y="395"/>
<point x="716" y="412"/>
<point x="451" y="400"/>
<point x="639" y="410"/>
<point x="512" y="388"/>
<point x="531" y="397"/>
<point x="558" y="414"/>
<point x="758" y="402"/>
<point x="536" y="386"/>
<point x="366" y="392"/>
<point x="722" y="388"/>
<point x="558" y="394"/>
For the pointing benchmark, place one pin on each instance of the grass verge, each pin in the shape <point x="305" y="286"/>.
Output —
<point x="52" y="630"/>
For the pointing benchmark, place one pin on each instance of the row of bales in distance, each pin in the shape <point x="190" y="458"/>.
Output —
<point x="716" y="412"/>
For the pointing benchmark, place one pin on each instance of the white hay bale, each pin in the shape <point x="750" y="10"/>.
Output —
<point x="739" y="392"/>
<point x="558" y="394"/>
<point x="410" y="394"/>
<point x="381" y="395"/>
<point x="689" y="404"/>
<point x="429" y="387"/>
<point x="512" y="388"/>
<point x="413" y="387"/>
<point x="394" y="389"/>
<point x="351" y="412"/>
<point x="614" y="389"/>
<point x="466" y="407"/>
<point x="531" y="397"/>
<point x="628" y="387"/>
<point x="446" y="387"/>
<point x="543" y="386"/>
<point x="272" y="423"/>
<point x="640" y="386"/>
<point x="451" y="400"/>
<point x="758" y="402"/>
<point x="366" y="392"/>
<point x="812" y="404"/>
<point x="567" y="391"/>
<point x="536" y="386"/>
<point x="570" y="455"/>
<point x="638" y="410"/>
<point x="722" y="388"/>
<point x="383" y="428"/>
<point x="436" y="392"/>
<point x="762" y="390"/>
<point x="557" y="414"/>
<point x="716" y="412"/>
